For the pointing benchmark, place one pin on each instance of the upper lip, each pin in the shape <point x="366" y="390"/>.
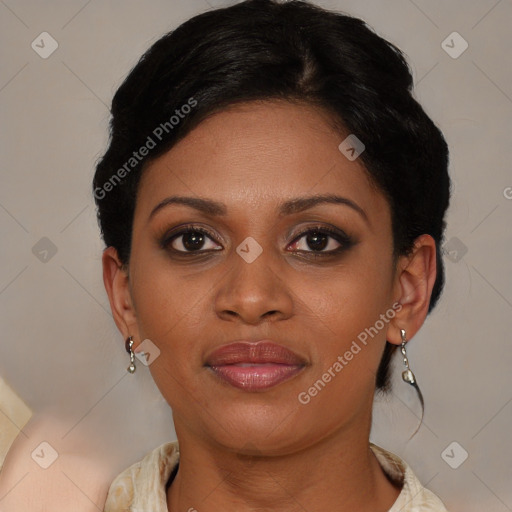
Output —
<point x="263" y="351"/>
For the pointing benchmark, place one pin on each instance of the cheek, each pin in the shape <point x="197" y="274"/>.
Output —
<point x="349" y="348"/>
<point x="164" y="294"/>
<point x="347" y="309"/>
<point x="354" y="296"/>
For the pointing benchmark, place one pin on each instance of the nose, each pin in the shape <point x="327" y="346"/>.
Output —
<point x="254" y="292"/>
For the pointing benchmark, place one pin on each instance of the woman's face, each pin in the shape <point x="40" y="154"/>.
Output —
<point x="255" y="275"/>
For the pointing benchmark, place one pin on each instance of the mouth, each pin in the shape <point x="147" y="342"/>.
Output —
<point x="254" y="366"/>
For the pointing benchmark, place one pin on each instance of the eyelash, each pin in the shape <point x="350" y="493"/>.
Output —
<point x="340" y="237"/>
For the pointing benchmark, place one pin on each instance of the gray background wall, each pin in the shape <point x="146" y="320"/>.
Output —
<point x="60" y="349"/>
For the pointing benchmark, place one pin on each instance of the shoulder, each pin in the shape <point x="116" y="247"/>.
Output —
<point x="414" y="497"/>
<point x="41" y="465"/>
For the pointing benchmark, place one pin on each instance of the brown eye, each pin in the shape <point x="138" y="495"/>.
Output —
<point x="321" y="240"/>
<point x="191" y="240"/>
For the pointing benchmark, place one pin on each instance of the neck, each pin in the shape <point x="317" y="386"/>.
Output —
<point x="338" y="473"/>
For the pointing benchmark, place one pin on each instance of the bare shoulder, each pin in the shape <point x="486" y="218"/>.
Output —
<point x="54" y="471"/>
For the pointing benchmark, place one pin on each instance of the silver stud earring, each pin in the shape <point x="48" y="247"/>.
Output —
<point x="407" y="374"/>
<point x="128" y="345"/>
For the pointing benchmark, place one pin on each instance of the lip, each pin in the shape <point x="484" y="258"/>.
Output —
<point x="254" y="366"/>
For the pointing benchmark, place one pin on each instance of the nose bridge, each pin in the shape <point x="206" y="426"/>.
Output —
<point x="253" y="287"/>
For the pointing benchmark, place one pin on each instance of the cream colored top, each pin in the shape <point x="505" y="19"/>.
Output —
<point x="142" y="486"/>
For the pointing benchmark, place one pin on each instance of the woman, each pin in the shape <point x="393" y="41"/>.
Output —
<point x="272" y="201"/>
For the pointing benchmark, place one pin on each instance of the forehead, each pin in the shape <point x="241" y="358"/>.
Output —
<point x="258" y="155"/>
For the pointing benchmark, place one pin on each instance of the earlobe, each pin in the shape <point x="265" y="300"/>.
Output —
<point x="116" y="281"/>
<point x="415" y="281"/>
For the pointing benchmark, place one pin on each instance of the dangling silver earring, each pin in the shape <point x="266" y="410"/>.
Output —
<point x="407" y="374"/>
<point x="128" y="345"/>
<point x="410" y="378"/>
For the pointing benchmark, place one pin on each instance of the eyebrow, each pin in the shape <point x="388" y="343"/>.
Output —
<point x="299" y="204"/>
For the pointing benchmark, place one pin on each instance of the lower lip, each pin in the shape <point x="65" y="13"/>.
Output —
<point x="257" y="377"/>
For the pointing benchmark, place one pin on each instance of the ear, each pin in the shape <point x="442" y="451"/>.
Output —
<point x="415" y="278"/>
<point x="117" y="285"/>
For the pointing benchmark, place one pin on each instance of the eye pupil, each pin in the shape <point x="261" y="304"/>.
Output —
<point x="317" y="241"/>
<point x="193" y="240"/>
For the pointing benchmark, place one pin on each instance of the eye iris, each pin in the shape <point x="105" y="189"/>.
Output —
<point x="193" y="240"/>
<point x="317" y="241"/>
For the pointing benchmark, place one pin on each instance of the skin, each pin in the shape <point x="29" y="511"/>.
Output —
<point x="253" y="451"/>
<point x="26" y="486"/>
